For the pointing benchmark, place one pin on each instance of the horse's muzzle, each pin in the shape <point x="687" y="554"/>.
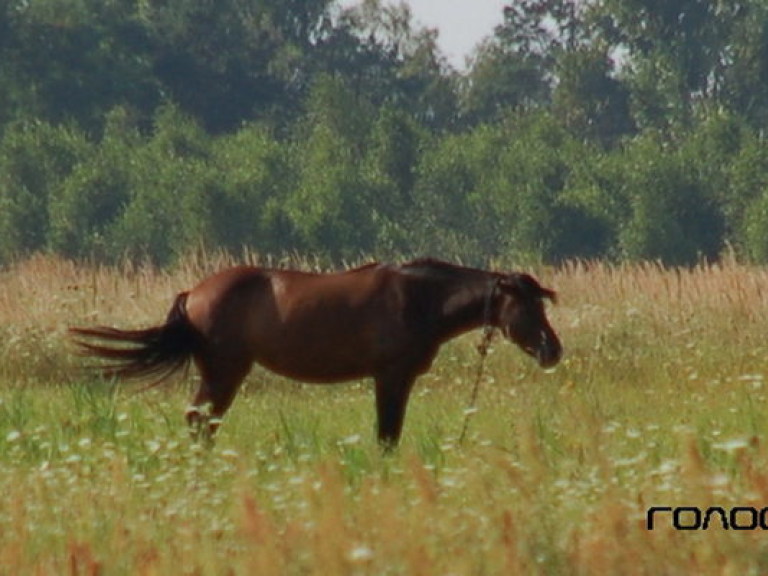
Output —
<point x="550" y="352"/>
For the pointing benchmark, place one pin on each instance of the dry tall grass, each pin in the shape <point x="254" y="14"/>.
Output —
<point x="660" y="401"/>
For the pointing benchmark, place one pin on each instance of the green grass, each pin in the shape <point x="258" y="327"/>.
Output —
<point x="660" y="401"/>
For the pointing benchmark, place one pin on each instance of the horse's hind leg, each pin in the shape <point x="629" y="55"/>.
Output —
<point x="220" y="383"/>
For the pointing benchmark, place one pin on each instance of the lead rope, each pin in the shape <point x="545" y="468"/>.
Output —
<point x="482" y="349"/>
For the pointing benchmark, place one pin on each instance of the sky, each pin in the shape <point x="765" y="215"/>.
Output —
<point x="461" y="23"/>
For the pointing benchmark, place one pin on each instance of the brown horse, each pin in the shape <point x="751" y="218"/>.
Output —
<point x="379" y="320"/>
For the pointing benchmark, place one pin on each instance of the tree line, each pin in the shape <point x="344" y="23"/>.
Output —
<point x="619" y="129"/>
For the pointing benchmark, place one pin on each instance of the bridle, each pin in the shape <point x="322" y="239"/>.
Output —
<point x="482" y="348"/>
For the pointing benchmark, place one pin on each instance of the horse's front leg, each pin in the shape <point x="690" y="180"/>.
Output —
<point x="392" y="392"/>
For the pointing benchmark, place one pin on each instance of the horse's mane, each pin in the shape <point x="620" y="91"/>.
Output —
<point x="366" y="266"/>
<point x="436" y="268"/>
<point x="429" y="268"/>
<point x="429" y="262"/>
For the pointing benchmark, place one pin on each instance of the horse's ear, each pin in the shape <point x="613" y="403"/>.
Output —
<point x="526" y="286"/>
<point x="550" y="295"/>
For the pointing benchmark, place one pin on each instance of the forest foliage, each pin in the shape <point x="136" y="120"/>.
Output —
<point x="615" y="129"/>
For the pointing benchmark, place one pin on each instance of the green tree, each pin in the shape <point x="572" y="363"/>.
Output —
<point x="675" y="53"/>
<point x="745" y="205"/>
<point x="230" y="61"/>
<point x="91" y="199"/>
<point x="589" y="100"/>
<point x="519" y="201"/>
<point x="651" y="200"/>
<point x="74" y="60"/>
<point x="168" y="212"/>
<point x="514" y="69"/>
<point x="388" y="176"/>
<point x="447" y="174"/>
<point x="35" y="158"/>
<point x="252" y="175"/>
<point x="744" y="68"/>
<point x="754" y="232"/>
<point x="673" y="215"/>
<point x="328" y="209"/>
<point x="497" y="191"/>
<point x="383" y="55"/>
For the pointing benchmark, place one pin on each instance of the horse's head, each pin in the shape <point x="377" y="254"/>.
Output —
<point x="522" y="317"/>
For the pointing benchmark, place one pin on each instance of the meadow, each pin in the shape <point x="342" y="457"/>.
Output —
<point x="660" y="401"/>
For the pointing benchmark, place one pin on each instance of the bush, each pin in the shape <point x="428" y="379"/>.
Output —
<point x="252" y="175"/>
<point x="35" y="159"/>
<point x="89" y="202"/>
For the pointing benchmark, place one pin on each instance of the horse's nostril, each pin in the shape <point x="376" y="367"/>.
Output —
<point x="550" y="351"/>
<point x="546" y="361"/>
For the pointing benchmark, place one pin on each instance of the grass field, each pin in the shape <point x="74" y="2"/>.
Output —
<point x="660" y="401"/>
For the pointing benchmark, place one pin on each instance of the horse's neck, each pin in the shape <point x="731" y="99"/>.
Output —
<point x="465" y="306"/>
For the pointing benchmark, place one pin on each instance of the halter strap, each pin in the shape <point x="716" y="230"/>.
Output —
<point x="488" y="327"/>
<point x="482" y="348"/>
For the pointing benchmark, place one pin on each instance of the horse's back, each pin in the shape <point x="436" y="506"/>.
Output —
<point x="286" y="289"/>
<point x="302" y="292"/>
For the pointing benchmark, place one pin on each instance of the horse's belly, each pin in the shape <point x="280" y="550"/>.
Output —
<point x="325" y="344"/>
<point x="321" y="360"/>
<point x="317" y="369"/>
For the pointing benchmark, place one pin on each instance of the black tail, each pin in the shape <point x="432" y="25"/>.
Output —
<point x="154" y="352"/>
